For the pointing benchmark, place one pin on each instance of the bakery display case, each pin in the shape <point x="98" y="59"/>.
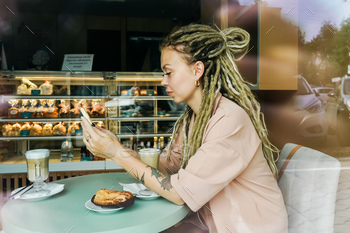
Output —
<point x="140" y="107"/>
<point x="41" y="109"/>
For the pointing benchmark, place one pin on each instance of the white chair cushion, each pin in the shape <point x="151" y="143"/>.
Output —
<point x="309" y="187"/>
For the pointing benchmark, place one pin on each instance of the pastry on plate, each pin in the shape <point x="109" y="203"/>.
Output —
<point x="113" y="198"/>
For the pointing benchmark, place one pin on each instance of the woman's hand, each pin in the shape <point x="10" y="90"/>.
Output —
<point x="105" y="144"/>
<point x="100" y="142"/>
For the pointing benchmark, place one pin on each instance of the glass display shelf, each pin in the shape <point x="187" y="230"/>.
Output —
<point x="160" y="118"/>
<point x="59" y="97"/>
<point x="80" y="137"/>
<point x="53" y="75"/>
<point x="139" y="97"/>
<point x="47" y="119"/>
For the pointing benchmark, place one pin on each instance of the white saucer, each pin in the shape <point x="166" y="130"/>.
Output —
<point x="104" y="210"/>
<point x="135" y="189"/>
<point x="148" y="198"/>
<point x="53" y="187"/>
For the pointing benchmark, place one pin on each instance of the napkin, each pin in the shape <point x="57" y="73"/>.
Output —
<point x="135" y="188"/>
<point x="52" y="187"/>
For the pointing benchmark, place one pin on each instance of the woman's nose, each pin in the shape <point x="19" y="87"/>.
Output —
<point x="164" y="81"/>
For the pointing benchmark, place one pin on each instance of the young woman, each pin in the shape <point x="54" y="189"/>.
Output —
<point x="220" y="162"/>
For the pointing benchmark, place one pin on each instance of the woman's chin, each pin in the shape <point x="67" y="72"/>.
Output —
<point x="178" y="101"/>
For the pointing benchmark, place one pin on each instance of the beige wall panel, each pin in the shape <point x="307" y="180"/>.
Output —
<point x="278" y="60"/>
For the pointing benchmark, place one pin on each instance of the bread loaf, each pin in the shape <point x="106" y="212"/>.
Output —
<point x="113" y="198"/>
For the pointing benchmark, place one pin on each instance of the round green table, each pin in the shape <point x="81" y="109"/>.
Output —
<point x="65" y="212"/>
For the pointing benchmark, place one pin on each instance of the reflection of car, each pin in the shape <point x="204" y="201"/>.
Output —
<point x="301" y="120"/>
<point x="338" y="110"/>
<point x="313" y="124"/>
<point x="322" y="93"/>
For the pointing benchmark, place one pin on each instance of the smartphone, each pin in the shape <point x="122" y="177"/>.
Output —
<point x="86" y="115"/>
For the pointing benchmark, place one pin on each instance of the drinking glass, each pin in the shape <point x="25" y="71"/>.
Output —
<point x="150" y="156"/>
<point x="38" y="170"/>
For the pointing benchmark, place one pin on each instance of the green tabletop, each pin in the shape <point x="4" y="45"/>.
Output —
<point x="66" y="212"/>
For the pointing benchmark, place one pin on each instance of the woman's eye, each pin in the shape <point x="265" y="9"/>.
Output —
<point x="167" y="73"/>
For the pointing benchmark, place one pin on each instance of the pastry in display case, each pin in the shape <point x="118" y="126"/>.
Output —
<point x="64" y="109"/>
<point x="40" y="109"/>
<point x="46" y="88"/>
<point x="44" y="107"/>
<point x="6" y="130"/>
<point x="32" y="108"/>
<point x="52" y="110"/>
<point x="148" y="92"/>
<point x="74" y="129"/>
<point x="24" y="109"/>
<point x="47" y="129"/>
<point x="13" y="111"/>
<point x="59" y="129"/>
<point x="25" y="129"/>
<point x="101" y="124"/>
<point x="86" y="104"/>
<point x="75" y="111"/>
<point x="15" y="131"/>
<point x="27" y="87"/>
<point x="36" y="130"/>
<point x="137" y="90"/>
<point x="97" y="109"/>
<point x="130" y="92"/>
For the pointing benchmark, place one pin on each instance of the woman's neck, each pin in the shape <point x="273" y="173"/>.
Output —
<point x="196" y="100"/>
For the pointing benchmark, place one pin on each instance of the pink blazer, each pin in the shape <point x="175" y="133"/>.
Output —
<point x="228" y="180"/>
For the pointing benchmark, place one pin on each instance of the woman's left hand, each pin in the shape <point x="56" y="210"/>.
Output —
<point x="100" y="142"/>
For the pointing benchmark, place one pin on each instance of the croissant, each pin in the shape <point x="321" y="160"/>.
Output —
<point x="113" y="198"/>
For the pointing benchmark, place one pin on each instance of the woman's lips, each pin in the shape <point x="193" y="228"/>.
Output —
<point x="169" y="93"/>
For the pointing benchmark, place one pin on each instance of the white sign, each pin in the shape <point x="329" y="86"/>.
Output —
<point x="348" y="69"/>
<point x="78" y="62"/>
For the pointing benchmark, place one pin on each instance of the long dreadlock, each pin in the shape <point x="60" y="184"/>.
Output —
<point x="217" y="50"/>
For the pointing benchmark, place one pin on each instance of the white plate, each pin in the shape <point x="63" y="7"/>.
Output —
<point x="57" y="189"/>
<point x="148" y="198"/>
<point x="105" y="210"/>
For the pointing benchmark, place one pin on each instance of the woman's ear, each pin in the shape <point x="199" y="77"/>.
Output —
<point x="198" y="70"/>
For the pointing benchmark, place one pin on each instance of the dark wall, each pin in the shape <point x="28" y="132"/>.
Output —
<point x="61" y="27"/>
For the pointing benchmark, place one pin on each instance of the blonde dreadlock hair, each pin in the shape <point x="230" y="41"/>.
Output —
<point x="217" y="50"/>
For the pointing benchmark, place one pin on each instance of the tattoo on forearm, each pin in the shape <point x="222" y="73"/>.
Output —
<point x="164" y="182"/>
<point x="141" y="179"/>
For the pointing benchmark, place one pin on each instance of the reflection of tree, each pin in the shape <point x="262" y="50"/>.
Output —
<point x="341" y="47"/>
<point x="316" y="64"/>
<point x="301" y="46"/>
<point x="326" y="56"/>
